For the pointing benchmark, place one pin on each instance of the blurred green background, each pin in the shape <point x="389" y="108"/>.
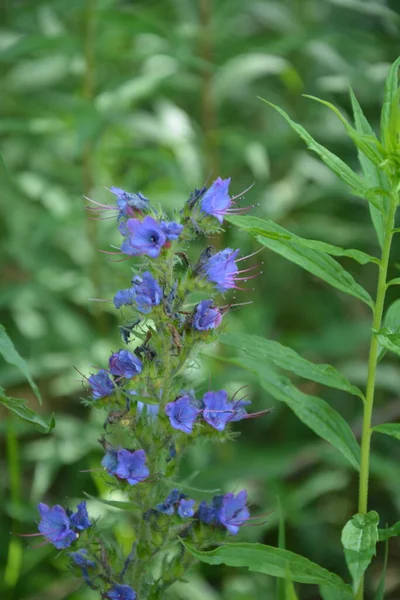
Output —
<point x="159" y="96"/>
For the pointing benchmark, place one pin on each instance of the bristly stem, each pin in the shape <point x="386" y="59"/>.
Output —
<point x="372" y="364"/>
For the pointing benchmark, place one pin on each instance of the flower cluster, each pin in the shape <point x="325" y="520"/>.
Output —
<point x="173" y="306"/>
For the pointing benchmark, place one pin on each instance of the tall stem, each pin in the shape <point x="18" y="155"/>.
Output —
<point x="372" y="364"/>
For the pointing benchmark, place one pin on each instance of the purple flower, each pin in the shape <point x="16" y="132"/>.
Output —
<point x="171" y="229"/>
<point x="205" y="513"/>
<point x="218" y="411"/>
<point x="216" y="201"/>
<point x="125" y="364"/>
<point x="206" y="316"/>
<point x="147" y="292"/>
<point x="110" y="461"/>
<point x="80" y="558"/>
<point x="131" y="466"/>
<point x="167" y="507"/>
<point x="222" y="270"/>
<point x="233" y="511"/>
<point x="185" y="508"/>
<point x="124" y="298"/>
<point x="80" y="519"/>
<point x="182" y="414"/>
<point x="101" y="384"/>
<point x="143" y="237"/>
<point x="55" y="526"/>
<point x="128" y="203"/>
<point x="120" y="592"/>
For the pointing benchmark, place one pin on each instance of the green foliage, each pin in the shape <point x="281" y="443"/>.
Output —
<point x="359" y="538"/>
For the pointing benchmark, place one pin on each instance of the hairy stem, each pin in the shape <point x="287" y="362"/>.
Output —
<point x="372" y="364"/>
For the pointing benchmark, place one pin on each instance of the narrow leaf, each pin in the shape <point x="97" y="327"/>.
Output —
<point x="10" y="355"/>
<point x="380" y="592"/>
<point x="359" y="538"/>
<point x="391" y="86"/>
<point x="275" y="562"/>
<point x="295" y="249"/>
<point x="389" y="341"/>
<point x="311" y="410"/>
<point x="20" y="408"/>
<point x="389" y="532"/>
<point x="288" y="359"/>
<point x="392" y="429"/>
<point x="130" y="506"/>
<point x="330" y="593"/>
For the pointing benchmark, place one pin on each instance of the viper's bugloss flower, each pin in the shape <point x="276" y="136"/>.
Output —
<point x="216" y="200"/>
<point x="131" y="466"/>
<point x="101" y="384"/>
<point x="182" y="414"/>
<point x="206" y="316"/>
<point x="222" y="269"/>
<point x="218" y="411"/>
<point x="124" y="298"/>
<point x="233" y="512"/>
<point x="185" y="508"/>
<point x="147" y="292"/>
<point x="125" y="364"/>
<point x="205" y="513"/>
<point x="80" y="559"/>
<point x="80" y="519"/>
<point x="120" y="592"/>
<point x="143" y="237"/>
<point x="168" y="506"/>
<point x="110" y="461"/>
<point x="55" y="526"/>
<point x="128" y="203"/>
<point x="171" y="229"/>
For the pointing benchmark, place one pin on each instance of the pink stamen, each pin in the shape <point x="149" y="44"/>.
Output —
<point x="250" y="268"/>
<point x="239" y="390"/>
<point x="242" y="193"/>
<point x="110" y="253"/>
<point x="26" y="534"/>
<point x="249" y="255"/>
<point x="106" y="206"/>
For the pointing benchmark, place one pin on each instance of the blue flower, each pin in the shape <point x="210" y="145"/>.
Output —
<point x="182" y="414"/>
<point x="218" y="411"/>
<point x="216" y="200"/>
<point x="131" y="466"/>
<point x="143" y="237"/>
<point x="101" y="384"/>
<point x="167" y="507"/>
<point x="110" y="461"/>
<point x="205" y="513"/>
<point x="185" y="508"/>
<point x="81" y="560"/>
<point x="147" y="292"/>
<point x="171" y="229"/>
<point x="129" y="204"/>
<point x="233" y="512"/>
<point x="222" y="270"/>
<point x="80" y="519"/>
<point x="124" y="298"/>
<point x="55" y="526"/>
<point x="120" y="592"/>
<point x="125" y="364"/>
<point x="206" y="316"/>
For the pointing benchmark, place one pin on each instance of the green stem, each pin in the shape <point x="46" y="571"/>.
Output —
<point x="372" y="364"/>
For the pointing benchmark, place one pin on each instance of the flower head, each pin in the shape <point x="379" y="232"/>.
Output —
<point x="147" y="292"/>
<point x="205" y="513"/>
<point x="185" y="508"/>
<point x="171" y="229"/>
<point x="110" y="461"/>
<point x="222" y="269"/>
<point x="55" y="526"/>
<point x="143" y="237"/>
<point x="128" y="203"/>
<point x="167" y="507"/>
<point x="182" y="414"/>
<point x="80" y="558"/>
<point x="206" y="316"/>
<point x="131" y="466"/>
<point x="233" y="512"/>
<point x="125" y="364"/>
<point x="80" y="519"/>
<point x="218" y="411"/>
<point x="124" y="298"/>
<point x="216" y="200"/>
<point x="101" y="384"/>
<point x="120" y="592"/>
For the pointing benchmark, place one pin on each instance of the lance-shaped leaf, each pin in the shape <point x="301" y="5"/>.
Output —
<point x="388" y="340"/>
<point x="10" y="355"/>
<point x="392" y="429"/>
<point x="314" y="412"/>
<point x="389" y="108"/>
<point x="375" y="177"/>
<point x="295" y="249"/>
<point x="19" y="407"/>
<point x="359" y="538"/>
<point x="389" y="532"/>
<point x="330" y="593"/>
<point x="288" y="359"/>
<point x="275" y="562"/>
<point x="380" y="592"/>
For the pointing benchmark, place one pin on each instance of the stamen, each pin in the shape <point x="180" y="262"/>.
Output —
<point x="249" y="255"/>
<point x="242" y="193"/>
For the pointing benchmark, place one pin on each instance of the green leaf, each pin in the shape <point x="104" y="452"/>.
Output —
<point x="129" y="506"/>
<point x="392" y="429"/>
<point x="295" y="249"/>
<point x="10" y="355"/>
<point x="288" y="359"/>
<point x="330" y="593"/>
<point x="20" y="408"/>
<point x="389" y="532"/>
<point x="374" y="176"/>
<point x="389" y="341"/>
<point x="389" y="100"/>
<point x="395" y="281"/>
<point x="333" y="162"/>
<point x="311" y="410"/>
<point x="359" y="538"/>
<point x="380" y="592"/>
<point x="275" y="562"/>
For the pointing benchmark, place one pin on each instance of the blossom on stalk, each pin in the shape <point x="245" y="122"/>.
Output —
<point x="218" y="411"/>
<point x="127" y="465"/>
<point x="168" y="506"/>
<point x="59" y="526"/>
<point x="124" y="298"/>
<point x="185" y="508"/>
<point x="216" y="200"/>
<point x="101" y="384"/>
<point x="120" y="592"/>
<point x="147" y="292"/>
<point x="233" y="512"/>
<point x="143" y="237"/>
<point x="129" y="204"/>
<point x="171" y="229"/>
<point x="182" y="414"/>
<point x="125" y="364"/>
<point x="81" y="559"/>
<point x="80" y="519"/>
<point x="222" y="269"/>
<point x="206" y="316"/>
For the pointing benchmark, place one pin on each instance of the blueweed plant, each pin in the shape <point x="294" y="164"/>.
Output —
<point x="153" y="416"/>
